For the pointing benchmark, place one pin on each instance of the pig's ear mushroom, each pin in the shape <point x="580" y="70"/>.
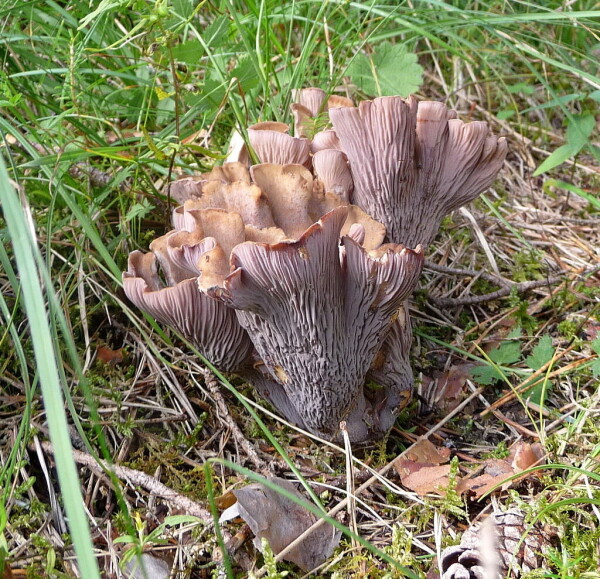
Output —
<point x="413" y="163"/>
<point x="318" y="313"/>
<point x="272" y="144"/>
<point x="331" y="168"/>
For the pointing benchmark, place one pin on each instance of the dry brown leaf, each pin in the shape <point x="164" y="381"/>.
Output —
<point x="280" y="520"/>
<point x="522" y="456"/>
<point x="424" y="451"/>
<point x="525" y="455"/>
<point x="421" y="468"/>
<point x="108" y="356"/>
<point x="428" y="479"/>
<point x="446" y="388"/>
<point x="225" y="501"/>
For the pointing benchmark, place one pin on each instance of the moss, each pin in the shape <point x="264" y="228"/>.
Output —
<point x="528" y="265"/>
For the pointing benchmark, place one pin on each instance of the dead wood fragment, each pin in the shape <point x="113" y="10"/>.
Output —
<point x="507" y="288"/>
<point x="139" y="478"/>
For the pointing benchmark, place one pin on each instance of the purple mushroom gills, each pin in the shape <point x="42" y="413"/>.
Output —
<point x="179" y="305"/>
<point x="281" y="273"/>
<point x="414" y="162"/>
<point x="295" y="282"/>
<point x="411" y="164"/>
<point x="317" y="312"/>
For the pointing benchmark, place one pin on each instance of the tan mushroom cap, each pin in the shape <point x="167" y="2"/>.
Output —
<point x="296" y="203"/>
<point x="191" y="187"/>
<point x="238" y="197"/>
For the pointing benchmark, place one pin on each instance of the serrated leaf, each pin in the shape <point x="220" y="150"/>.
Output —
<point x="595" y="345"/>
<point x="541" y="354"/>
<point x="506" y="353"/>
<point x="189" y="52"/>
<point x="596" y="369"/>
<point x="390" y="70"/>
<point x="485" y="375"/>
<point x="216" y="32"/>
<point x="183" y="8"/>
<point x="246" y="74"/>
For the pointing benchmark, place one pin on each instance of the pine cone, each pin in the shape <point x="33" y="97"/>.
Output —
<point x="488" y="551"/>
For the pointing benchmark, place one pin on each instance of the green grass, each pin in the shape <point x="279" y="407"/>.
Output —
<point x="100" y="107"/>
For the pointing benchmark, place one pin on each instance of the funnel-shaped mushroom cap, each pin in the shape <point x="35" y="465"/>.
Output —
<point x="412" y="163"/>
<point x="191" y="187"/>
<point x="183" y="307"/>
<point x="331" y="167"/>
<point x="318" y="314"/>
<point x="304" y="121"/>
<point x="273" y="145"/>
<point x="311" y="98"/>
<point x="323" y="140"/>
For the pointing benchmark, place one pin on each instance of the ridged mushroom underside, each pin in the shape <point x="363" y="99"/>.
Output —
<point x="413" y="163"/>
<point x="318" y="313"/>
<point x="186" y="309"/>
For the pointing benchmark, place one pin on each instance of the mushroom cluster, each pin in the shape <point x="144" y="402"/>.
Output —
<point x="275" y="275"/>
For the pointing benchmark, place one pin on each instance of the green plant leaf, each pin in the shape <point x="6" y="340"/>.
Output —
<point x="486" y="375"/>
<point x="558" y="157"/>
<point x="541" y="354"/>
<point x="390" y="70"/>
<point x="591" y="198"/>
<point x="596" y="365"/>
<point x="189" y="52"/>
<point x="579" y="130"/>
<point x="506" y="353"/>
<point x="578" y="135"/>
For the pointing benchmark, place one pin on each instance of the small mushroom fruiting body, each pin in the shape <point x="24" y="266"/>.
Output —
<point x="414" y="162"/>
<point x="183" y="307"/>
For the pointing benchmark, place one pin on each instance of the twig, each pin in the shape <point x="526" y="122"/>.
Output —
<point x="468" y="273"/>
<point x="507" y="289"/>
<point x="136" y="477"/>
<point x="213" y="386"/>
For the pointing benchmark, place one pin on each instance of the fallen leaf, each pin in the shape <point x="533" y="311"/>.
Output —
<point x="446" y="388"/>
<point x="496" y="471"/>
<point x="225" y="501"/>
<point x="428" y="479"/>
<point x="426" y="452"/>
<point x="280" y="520"/>
<point x="108" y="356"/>
<point x="421" y="468"/>
<point x="525" y="455"/>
